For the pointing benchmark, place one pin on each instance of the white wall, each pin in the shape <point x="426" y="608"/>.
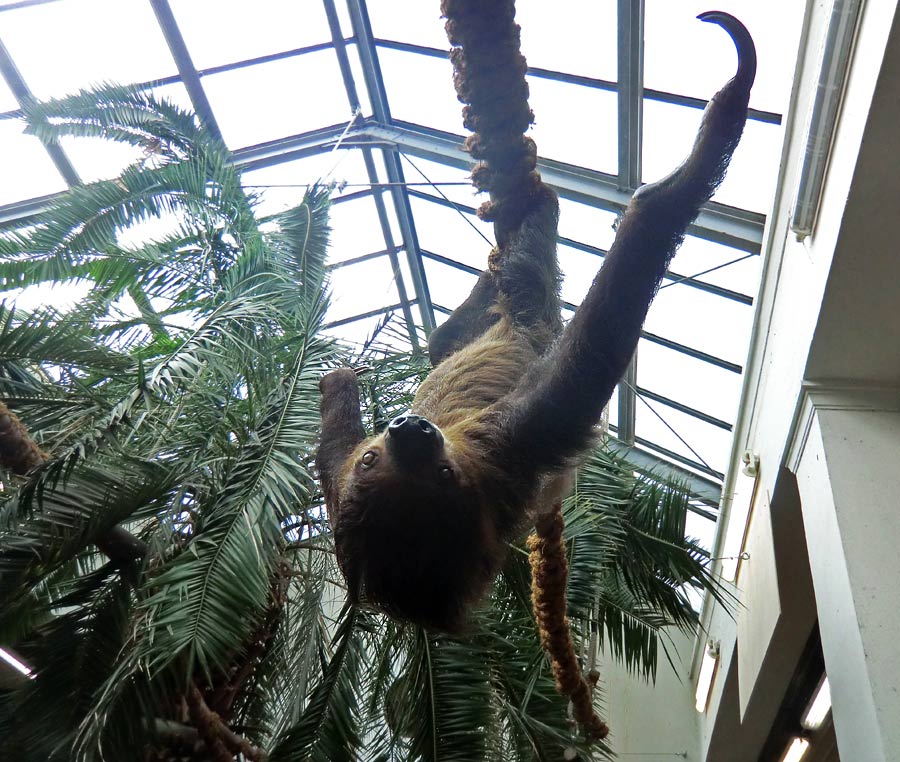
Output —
<point x="653" y="722"/>
<point x="816" y="320"/>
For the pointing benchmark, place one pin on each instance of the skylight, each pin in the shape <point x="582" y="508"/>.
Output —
<point x="269" y="75"/>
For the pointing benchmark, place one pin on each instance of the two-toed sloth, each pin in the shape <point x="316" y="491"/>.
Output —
<point x="422" y="512"/>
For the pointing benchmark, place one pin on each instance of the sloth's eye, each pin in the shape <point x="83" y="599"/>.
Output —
<point x="368" y="460"/>
<point x="446" y="473"/>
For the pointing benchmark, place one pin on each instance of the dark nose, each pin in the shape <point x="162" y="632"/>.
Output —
<point x="413" y="437"/>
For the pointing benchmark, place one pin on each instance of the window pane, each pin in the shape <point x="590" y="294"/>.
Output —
<point x="225" y="31"/>
<point x="408" y="21"/>
<point x="455" y="184"/>
<point x="700" y="320"/>
<point x="697" y="384"/>
<point x="449" y="286"/>
<point x="8" y="101"/>
<point x="99" y="159"/>
<point x="702" y="441"/>
<point x="451" y="234"/>
<point x="282" y="186"/>
<point x="575" y="124"/>
<point x="572" y="36"/>
<point x="750" y="182"/>
<point x="359" y="288"/>
<point x="27" y="169"/>
<point x="737" y="271"/>
<point x="586" y="224"/>
<point x="176" y="93"/>
<point x="63" y="47"/>
<point x="355" y="230"/>
<point x="420" y="89"/>
<point x="578" y="268"/>
<point x="701" y="529"/>
<point x="360" y="331"/>
<point x="272" y="100"/>
<point x="669" y="132"/>
<point x="685" y="56"/>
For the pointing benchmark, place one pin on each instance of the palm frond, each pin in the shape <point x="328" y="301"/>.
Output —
<point x="59" y="514"/>
<point x="630" y="560"/>
<point x="205" y="601"/>
<point x="123" y="114"/>
<point x="71" y="655"/>
<point x="328" y="729"/>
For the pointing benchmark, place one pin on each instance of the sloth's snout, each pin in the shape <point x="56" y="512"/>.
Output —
<point x="413" y="438"/>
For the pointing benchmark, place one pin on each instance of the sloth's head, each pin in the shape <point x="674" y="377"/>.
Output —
<point x="413" y="538"/>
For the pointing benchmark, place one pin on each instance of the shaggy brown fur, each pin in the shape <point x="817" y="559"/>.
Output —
<point x="422" y="512"/>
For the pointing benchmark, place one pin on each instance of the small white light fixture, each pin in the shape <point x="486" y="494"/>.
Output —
<point x="708" y="669"/>
<point x="17" y="665"/>
<point x="833" y="67"/>
<point x="819" y="707"/>
<point x="796" y="750"/>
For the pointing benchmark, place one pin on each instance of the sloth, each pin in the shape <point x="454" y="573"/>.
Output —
<point x="423" y="512"/>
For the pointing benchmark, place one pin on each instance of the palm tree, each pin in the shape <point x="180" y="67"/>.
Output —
<point x="165" y="562"/>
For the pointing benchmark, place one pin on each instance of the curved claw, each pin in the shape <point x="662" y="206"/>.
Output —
<point x="742" y="41"/>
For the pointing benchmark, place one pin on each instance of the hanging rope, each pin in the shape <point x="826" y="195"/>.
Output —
<point x="489" y="77"/>
<point x="549" y="572"/>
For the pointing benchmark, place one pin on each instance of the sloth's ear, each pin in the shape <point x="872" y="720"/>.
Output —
<point x="342" y="429"/>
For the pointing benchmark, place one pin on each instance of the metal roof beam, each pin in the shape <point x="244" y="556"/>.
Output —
<point x="675" y="99"/>
<point x="340" y="48"/>
<point x="630" y="91"/>
<point x="26" y="4"/>
<point x="375" y="85"/>
<point x="630" y="65"/>
<point x="186" y="68"/>
<point x="364" y="315"/>
<point x="729" y="226"/>
<point x="23" y="95"/>
<point x="701" y="487"/>
<point x="686" y="409"/>
<point x="671" y="454"/>
<point x="673" y="278"/>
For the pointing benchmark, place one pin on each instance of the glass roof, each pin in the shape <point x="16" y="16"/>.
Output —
<point x="360" y="93"/>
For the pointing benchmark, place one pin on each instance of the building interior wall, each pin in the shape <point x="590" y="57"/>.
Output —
<point x="820" y="412"/>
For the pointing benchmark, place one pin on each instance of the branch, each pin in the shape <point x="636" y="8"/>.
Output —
<point x="223" y="742"/>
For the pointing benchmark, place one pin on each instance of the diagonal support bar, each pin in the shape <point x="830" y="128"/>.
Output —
<point x="362" y="30"/>
<point x="340" y="48"/>
<point x="23" y="95"/>
<point x="186" y="68"/>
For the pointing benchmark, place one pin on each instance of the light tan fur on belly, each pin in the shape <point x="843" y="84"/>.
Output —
<point x="475" y="377"/>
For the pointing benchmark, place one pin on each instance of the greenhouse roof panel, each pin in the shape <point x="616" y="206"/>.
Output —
<point x="616" y="101"/>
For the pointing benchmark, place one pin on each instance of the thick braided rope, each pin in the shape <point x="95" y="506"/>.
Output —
<point x="549" y="572"/>
<point x="489" y="76"/>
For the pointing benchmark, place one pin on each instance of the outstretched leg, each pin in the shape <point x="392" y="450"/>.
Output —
<point x="559" y="403"/>
<point x="467" y="322"/>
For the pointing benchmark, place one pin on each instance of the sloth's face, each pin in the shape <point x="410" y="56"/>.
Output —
<point x="410" y="535"/>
